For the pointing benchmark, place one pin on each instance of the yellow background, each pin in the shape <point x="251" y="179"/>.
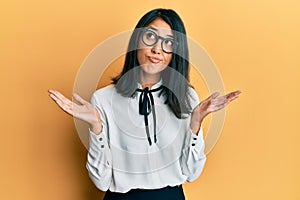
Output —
<point x="255" y="45"/>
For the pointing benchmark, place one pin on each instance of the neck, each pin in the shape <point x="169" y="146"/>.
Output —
<point x="148" y="80"/>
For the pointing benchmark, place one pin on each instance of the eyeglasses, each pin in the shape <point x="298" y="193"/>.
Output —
<point x="150" y="38"/>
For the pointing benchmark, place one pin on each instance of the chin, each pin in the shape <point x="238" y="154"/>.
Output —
<point x="153" y="68"/>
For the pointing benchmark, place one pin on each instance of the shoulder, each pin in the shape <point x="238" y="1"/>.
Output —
<point x="105" y="90"/>
<point x="103" y="93"/>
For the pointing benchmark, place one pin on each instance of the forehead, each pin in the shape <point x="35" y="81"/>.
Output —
<point x="161" y="27"/>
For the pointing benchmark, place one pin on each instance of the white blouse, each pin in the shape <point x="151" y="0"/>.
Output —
<point x="121" y="158"/>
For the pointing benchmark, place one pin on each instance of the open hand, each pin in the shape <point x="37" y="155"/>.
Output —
<point x="83" y="111"/>
<point x="212" y="104"/>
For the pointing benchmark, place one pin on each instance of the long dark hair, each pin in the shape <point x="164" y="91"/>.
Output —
<point x="179" y="64"/>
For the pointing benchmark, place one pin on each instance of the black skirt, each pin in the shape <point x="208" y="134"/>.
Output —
<point x="166" y="193"/>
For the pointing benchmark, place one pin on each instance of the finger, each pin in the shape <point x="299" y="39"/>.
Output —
<point x="54" y="92"/>
<point x="57" y="94"/>
<point x="79" y="98"/>
<point x="65" y="107"/>
<point x="232" y="98"/>
<point x="53" y="96"/>
<point x="237" y="92"/>
<point x="64" y="103"/>
<point x="67" y="110"/>
<point x="233" y="94"/>
<point x="62" y="98"/>
<point x="51" y="91"/>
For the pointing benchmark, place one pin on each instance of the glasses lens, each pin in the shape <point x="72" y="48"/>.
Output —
<point x="149" y="37"/>
<point x="167" y="45"/>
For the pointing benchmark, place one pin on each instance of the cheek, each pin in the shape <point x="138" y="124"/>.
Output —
<point x="141" y="55"/>
<point x="168" y="59"/>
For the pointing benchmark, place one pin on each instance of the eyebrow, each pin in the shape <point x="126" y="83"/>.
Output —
<point x="155" y="29"/>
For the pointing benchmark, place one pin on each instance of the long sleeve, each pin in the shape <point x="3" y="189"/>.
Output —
<point x="193" y="157"/>
<point x="99" y="159"/>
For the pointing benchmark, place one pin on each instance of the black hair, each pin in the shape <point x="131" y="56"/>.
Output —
<point x="179" y="103"/>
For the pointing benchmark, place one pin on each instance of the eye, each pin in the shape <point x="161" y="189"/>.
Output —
<point x="150" y="36"/>
<point x="169" y="42"/>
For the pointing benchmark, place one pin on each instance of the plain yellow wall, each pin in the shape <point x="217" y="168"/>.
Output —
<point x="255" y="45"/>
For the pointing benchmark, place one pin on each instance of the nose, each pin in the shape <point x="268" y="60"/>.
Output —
<point x="156" y="49"/>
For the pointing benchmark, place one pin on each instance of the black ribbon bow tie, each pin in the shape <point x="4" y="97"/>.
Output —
<point x="146" y="105"/>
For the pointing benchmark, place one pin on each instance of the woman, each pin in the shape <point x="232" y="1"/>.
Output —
<point x="145" y="129"/>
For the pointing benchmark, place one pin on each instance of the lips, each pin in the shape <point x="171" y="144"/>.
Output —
<point x="154" y="60"/>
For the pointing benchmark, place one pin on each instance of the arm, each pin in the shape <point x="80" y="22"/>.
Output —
<point x="193" y="157"/>
<point x="99" y="156"/>
<point x="99" y="159"/>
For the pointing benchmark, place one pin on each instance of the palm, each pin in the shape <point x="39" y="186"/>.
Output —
<point x="83" y="111"/>
<point x="215" y="103"/>
<point x="212" y="104"/>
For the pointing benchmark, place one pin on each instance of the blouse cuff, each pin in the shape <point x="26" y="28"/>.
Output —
<point x="99" y="140"/>
<point x="197" y="145"/>
<point x="196" y="139"/>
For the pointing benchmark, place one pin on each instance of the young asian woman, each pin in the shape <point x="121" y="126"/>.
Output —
<point x="146" y="138"/>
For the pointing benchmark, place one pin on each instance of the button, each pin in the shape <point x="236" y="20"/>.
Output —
<point x="195" y="138"/>
<point x="107" y="163"/>
<point x="102" y="146"/>
<point x="193" y="144"/>
<point x="100" y="139"/>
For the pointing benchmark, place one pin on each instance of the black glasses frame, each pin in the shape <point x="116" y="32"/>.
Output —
<point x="157" y="37"/>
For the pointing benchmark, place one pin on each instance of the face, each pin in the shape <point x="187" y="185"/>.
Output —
<point x="152" y="58"/>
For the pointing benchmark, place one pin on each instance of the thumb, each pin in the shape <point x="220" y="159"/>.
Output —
<point x="215" y="95"/>
<point x="78" y="98"/>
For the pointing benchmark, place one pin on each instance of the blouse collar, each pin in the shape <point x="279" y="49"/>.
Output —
<point x="156" y="85"/>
